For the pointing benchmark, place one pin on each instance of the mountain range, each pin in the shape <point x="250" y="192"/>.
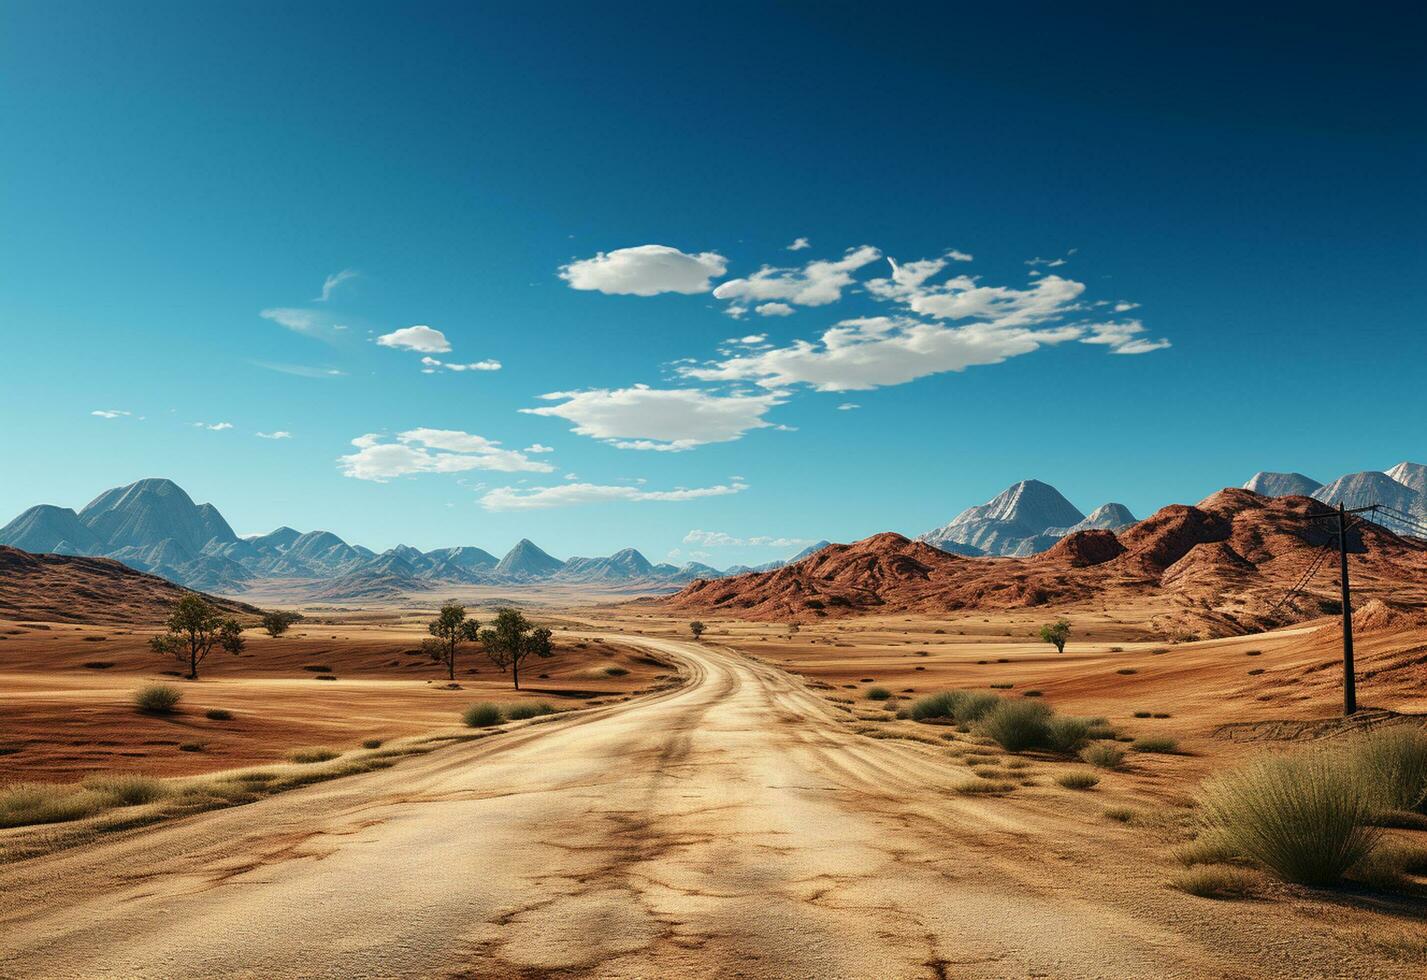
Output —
<point x="1402" y="488"/>
<point x="154" y="526"/>
<point x="1024" y="519"/>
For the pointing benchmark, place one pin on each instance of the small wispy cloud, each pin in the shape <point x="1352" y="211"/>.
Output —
<point x="330" y="284"/>
<point x="799" y="244"/>
<point x="299" y="370"/>
<point x="110" y="413"/>
<point x="279" y="434"/>
<point x="571" y="494"/>
<point x="431" y="365"/>
<point x="213" y="426"/>
<point x="848" y="406"/>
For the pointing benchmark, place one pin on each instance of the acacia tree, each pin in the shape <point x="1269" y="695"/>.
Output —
<point x="1056" y="634"/>
<point x="276" y="623"/>
<point x="448" y="630"/>
<point x="512" y="638"/>
<point x="194" y="628"/>
<point x="696" y="628"/>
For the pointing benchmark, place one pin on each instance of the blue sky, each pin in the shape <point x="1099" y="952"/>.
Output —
<point x="1243" y="186"/>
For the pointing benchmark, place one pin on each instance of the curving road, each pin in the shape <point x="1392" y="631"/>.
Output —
<point x="733" y="827"/>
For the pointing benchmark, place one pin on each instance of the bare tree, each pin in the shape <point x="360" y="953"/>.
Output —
<point x="512" y="638"/>
<point x="449" y="630"/>
<point x="194" y="628"/>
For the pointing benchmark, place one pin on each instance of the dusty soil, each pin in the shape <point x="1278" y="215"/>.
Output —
<point x="69" y="712"/>
<point x="740" y="825"/>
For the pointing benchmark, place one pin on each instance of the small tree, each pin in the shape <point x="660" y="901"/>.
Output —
<point x="512" y="638"/>
<point x="448" y="630"/>
<point x="277" y="623"/>
<point x="194" y="628"/>
<point x="696" y="628"/>
<point x="1056" y="634"/>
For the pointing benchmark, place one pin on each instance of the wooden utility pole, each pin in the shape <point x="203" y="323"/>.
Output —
<point x="1350" y="687"/>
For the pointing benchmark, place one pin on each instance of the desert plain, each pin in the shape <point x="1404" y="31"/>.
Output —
<point x="754" y="803"/>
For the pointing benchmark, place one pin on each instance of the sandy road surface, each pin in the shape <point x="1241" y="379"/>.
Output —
<point x="731" y="828"/>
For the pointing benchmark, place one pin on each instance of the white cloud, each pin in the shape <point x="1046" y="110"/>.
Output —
<point x="659" y="419"/>
<point x="753" y="338"/>
<point x="816" y="284"/>
<point x="645" y="270"/>
<point x="418" y="338"/>
<point x="279" y="434"/>
<point x="432" y="451"/>
<point x="872" y="352"/>
<point x="956" y="255"/>
<point x="848" y="407"/>
<point x="962" y="298"/>
<point x="773" y="309"/>
<point x="1125" y="306"/>
<point x="431" y="365"/>
<point x="330" y="284"/>
<point x="1048" y="263"/>
<point x="109" y="413"/>
<point x="300" y="370"/>
<point x="570" y="494"/>
<point x="312" y="323"/>
<point x="1123" y="337"/>
<point x="718" y="539"/>
<point x="799" y="244"/>
<point x="536" y="447"/>
<point x="214" y="426"/>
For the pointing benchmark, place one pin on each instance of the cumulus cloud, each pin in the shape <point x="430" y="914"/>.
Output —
<point x="432" y="451"/>
<point x="570" y="494"/>
<point x="279" y="434"/>
<point x="330" y="284"/>
<point x="418" y="338"/>
<point x="431" y="365"/>
<point x="213" y="426"/>
<point x="773" y="309"/>
<point x="718" y="539"/>
<point x="536" y="447"/>
<point x="109" y="413"/>
<point x="956" y="255"/>
<point x="799" y="244"/>
<point x="659" y="419"/>
<point x="645" y="270"/>
<point x="1123" y="337"/>
<point x="816" y="284"/>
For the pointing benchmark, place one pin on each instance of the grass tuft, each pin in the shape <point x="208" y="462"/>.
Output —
<point x="1066" y="735"/>
<point x="522" y="711"/>
<point x="1304" y="816"/>
<point x="878" y="694"/>
<point x="481" y="715"/>
<point x="218" y="714"/>
<point x="1077" y="779"/>
<point x="127" y="790"/>
<point x="318" y="754"/>
<point x="1155" y="743"/>
<point x="159" y="699"/>
<point x="1392" y="764"/>
<point x="372" y="743"/>
<point x="1017" y="725"/>
<point x="1104" y="756"/>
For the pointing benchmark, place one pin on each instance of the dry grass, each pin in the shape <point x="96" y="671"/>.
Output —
<point x="983" y="786"/>
<point x="1103" y="755"/>
<point x="1393" y="766"/>
<point x="1155" y="743"/>
<point x="482" y="715"/>
<point x="1303" y="816"/>
<point x="157" y="698"/>
<point x="1215" y="881"/>
<point x="1077" y="779"/>
<point x="317" y="754"/>
<point x="1017" y="725"/>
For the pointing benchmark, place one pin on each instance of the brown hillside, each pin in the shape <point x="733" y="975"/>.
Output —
<point x="70" y="589"/>
<point x="1218" y="567"/>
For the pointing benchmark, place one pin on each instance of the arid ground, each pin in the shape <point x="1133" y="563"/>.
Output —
<point x="761" y="817"/>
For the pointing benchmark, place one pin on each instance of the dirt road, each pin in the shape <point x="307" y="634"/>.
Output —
<point x="733" y="827"/>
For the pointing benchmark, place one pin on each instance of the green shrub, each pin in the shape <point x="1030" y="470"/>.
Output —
<point x="128" y="790"/>
<point x="1304" y="816"/>
<point x="481" y="715"/>
<point x="941" y="705"/>
<point x="1215" y="881"/>
<point x="157" y="699"/>
<point x="218" y="714"/>
<point x="878" y="694"/>
<point x="1155" y="743"/>
<point x="1066" y="735"/>
<point x="1104" y="756"/>
<point x="1017" y="725"/>
<point x="319" y="754"/>
<point x="975" y="705"/>
<point x="1077" y="779"/>
<point x="1392" y="764"/>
